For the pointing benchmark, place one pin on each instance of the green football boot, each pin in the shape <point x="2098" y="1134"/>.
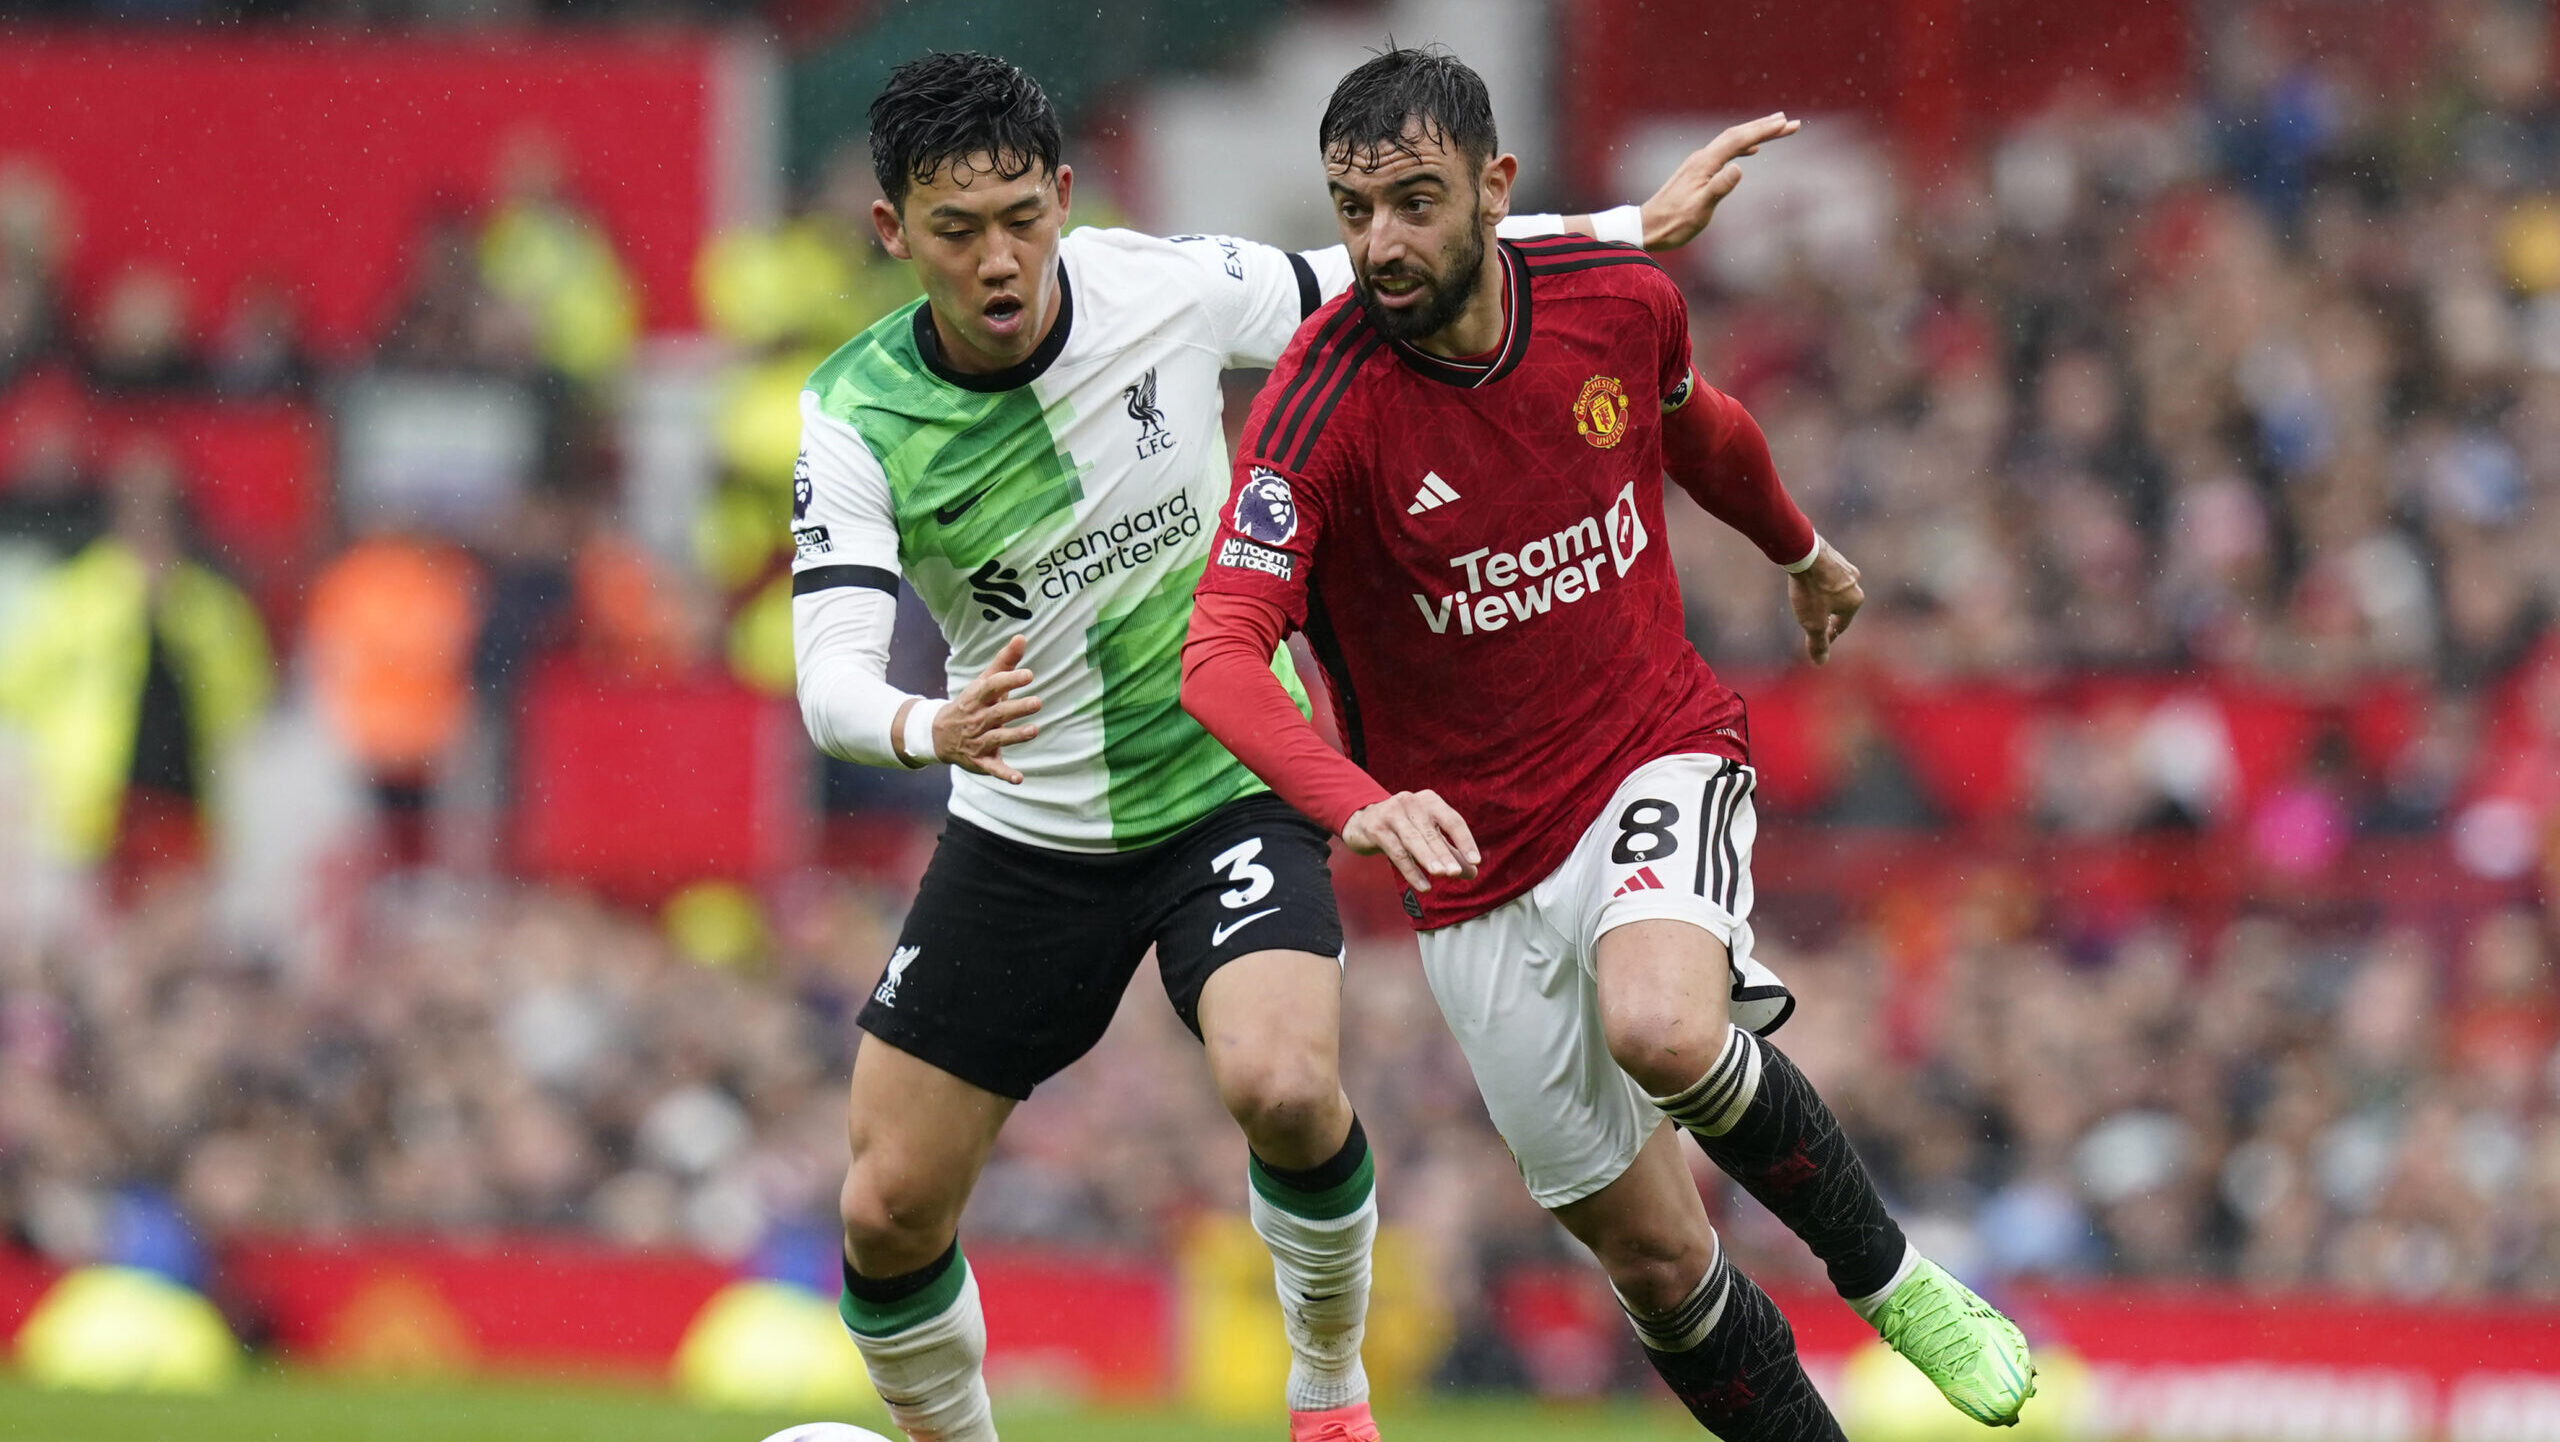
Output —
<point x="1977" y="1357"/>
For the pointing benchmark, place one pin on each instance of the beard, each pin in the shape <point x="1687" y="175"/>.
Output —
<point x="1451" y="289"/>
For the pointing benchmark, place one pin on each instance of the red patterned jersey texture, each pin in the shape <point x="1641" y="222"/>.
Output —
<point x="1474" y="550"/>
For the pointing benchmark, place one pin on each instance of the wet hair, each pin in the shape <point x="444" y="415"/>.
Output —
<point x="1398" y="90"/>
<point x="944" y="107"/>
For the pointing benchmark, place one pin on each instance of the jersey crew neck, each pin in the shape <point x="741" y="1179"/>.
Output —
<point x="1013" y="377"/>
<point x="1487" y="367"/>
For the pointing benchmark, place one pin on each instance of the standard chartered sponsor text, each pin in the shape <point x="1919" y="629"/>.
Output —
<point x="1556" y="570"/>
<point x="1126" y="544"/>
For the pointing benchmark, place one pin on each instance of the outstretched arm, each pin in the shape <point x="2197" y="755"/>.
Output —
<point x="1716" y="452"/>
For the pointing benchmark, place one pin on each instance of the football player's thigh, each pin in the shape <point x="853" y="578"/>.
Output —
<point x="1249" y="942"/>
<point x="1242" y="914"/>
<point x="1656" y="882"/>
<point x="1011" y="963"/>
<point x="1523" y="1009"/>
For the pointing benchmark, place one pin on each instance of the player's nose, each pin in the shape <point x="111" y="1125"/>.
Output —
<point x="1388" y="242"/>
<point x="1000" y="261"/>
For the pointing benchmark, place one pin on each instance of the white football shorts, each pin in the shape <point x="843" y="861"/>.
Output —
<point x="1519" y="991"/>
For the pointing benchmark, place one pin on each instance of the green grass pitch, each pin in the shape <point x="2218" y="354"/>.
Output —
<point x="269" y="1408"/>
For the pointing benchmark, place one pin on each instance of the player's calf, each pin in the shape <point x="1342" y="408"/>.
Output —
<point x="1727" y="1353"/>
<point x="1711" y="1335"/>
<point x="1269" y="1020"/>
<point x="1758" y="1119"/>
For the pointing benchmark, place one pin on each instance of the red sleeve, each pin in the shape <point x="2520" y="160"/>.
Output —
<point x="1715" y="450"/>
<point x="1228" y="687"/>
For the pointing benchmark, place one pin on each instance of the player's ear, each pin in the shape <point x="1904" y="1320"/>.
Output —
<point x="1493" y="187"/>
<point x="1066" y="182"/>
<point x="892" y="231"/>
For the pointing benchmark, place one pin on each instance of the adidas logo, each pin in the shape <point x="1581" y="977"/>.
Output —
<point x="1434" y="494"/>
<point x="1643" y="880"/>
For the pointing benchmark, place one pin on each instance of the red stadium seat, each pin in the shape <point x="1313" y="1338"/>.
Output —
<point x="256" y="473"/>
<point x="636" y="789"/>
<point x="1966" y="744"/>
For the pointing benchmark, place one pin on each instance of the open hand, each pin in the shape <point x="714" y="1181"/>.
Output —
<point x="1688" y="200"/>
<point x="1422" y="834"/>
<point x="972" y="731"/>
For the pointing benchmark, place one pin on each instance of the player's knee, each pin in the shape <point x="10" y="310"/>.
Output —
<point x="893" y="1222"/>
<point x="1280" y="1094"/>
<point x="1663" y="1048"/>
<point x="1656" y="1269"/>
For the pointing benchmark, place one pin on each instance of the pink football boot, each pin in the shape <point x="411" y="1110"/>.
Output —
<point x="1334" y="1424"/>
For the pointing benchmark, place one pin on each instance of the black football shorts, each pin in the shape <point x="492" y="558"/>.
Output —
<point x="1014" y="957"/>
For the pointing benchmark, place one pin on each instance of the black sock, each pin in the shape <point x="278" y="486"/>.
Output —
<point x="1757" y="1118"/>
<point x="888" y="1291"/>
<point x="1738" y="1375"/>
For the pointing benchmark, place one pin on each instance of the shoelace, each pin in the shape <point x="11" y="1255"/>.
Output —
<point x="1932" y="1336"/>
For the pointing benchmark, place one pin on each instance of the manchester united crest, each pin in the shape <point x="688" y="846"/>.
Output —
<point x="1600" y="412"/>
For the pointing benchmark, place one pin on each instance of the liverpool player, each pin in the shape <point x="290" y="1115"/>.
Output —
<point x="1035" y="450"/>
<point x="1452" y="484"/>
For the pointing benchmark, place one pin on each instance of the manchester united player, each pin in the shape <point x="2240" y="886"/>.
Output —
<point x="1452" y="484"/>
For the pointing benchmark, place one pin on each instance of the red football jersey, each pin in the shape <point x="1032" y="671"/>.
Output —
<point x="1475" y="552"/>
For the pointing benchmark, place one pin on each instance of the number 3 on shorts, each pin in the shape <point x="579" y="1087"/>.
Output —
<point x="1236" y="863"/>
<point x="1644" y="832"/>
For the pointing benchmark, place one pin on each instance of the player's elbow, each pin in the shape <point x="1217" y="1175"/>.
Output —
<point x="813" y="719"/>
<point x="820" y="716"/>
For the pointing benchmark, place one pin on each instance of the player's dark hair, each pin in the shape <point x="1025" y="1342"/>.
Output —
<point x="1403" y="89"/>
<point x="945" y="106"/>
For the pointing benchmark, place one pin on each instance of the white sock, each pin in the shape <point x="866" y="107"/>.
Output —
<point x="932" y="1372"/>
<point x="1872" y="1303"/>
<point x="1320" y="1267"/>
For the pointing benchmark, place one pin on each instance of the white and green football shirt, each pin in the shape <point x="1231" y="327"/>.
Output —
<point x="1069" y="499"/>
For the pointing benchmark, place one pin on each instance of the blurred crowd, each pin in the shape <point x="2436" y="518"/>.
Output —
<point x="2265" y="389"/>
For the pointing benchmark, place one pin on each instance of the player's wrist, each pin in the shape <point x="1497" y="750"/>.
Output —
<point x="911" y="738"/>
<point x="1623" y="224"/>
<point x="1370" y="802"/>
<point x="1798" y="568"/>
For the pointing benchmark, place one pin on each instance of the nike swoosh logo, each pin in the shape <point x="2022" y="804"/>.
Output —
<point x="1218" y="934"/>
<point x="945" y="515"/>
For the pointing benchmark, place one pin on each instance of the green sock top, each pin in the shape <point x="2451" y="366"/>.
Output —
<point x="932" y="1299"/>
<point x="1339" y="1200"/>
